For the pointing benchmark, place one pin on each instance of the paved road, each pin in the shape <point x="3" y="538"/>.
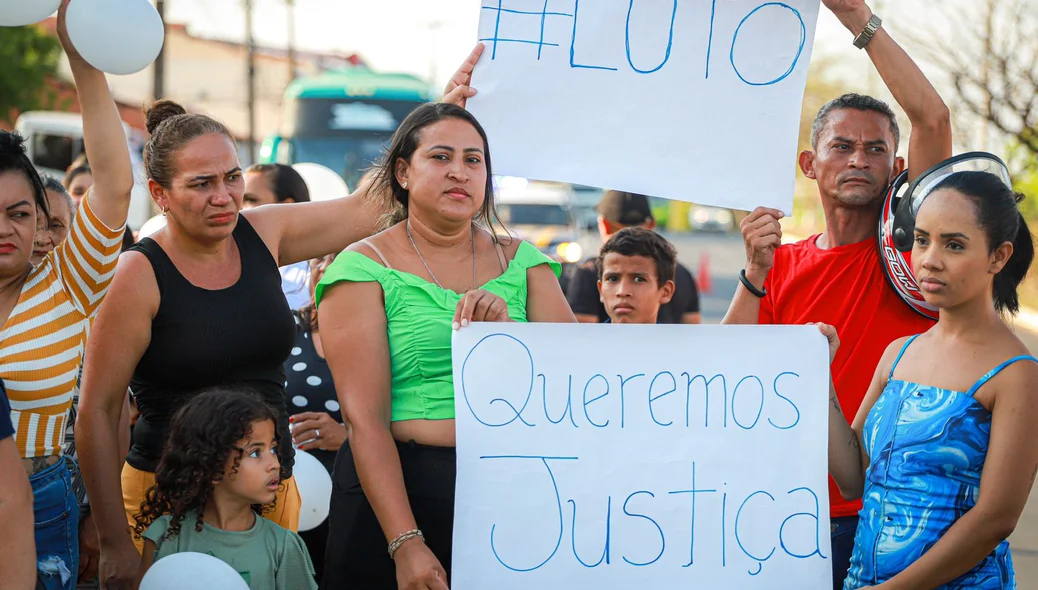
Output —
<point x="724" y="256"/>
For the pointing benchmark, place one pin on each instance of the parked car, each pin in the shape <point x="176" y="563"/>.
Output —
<point x="540" y="213"/>
<point x="711" y="219"/>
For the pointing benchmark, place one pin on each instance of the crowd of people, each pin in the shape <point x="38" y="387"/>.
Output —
<point x="259" y="322"/>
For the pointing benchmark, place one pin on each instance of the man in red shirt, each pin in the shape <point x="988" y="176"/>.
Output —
<point x="835" y="277"/>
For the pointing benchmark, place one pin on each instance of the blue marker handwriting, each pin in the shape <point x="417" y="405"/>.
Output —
<point x="645" y="53"/>
<point x="637" y="528"/>
<point x="677" y="398"/>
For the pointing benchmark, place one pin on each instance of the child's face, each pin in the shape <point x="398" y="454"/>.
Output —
<point x="630" y="291"/>
<point x="258" y="474"/>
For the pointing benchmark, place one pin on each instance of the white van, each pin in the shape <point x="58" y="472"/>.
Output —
<point x="54" y="140"/>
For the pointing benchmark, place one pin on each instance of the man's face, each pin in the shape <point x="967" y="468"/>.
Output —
<point x="630" y="290"/>
<point x="855" y="159"/>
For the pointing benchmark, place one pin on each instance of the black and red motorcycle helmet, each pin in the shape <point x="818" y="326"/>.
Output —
<point x="897" y="220"/>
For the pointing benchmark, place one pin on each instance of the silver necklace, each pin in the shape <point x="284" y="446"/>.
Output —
<point x="472" y="237"/>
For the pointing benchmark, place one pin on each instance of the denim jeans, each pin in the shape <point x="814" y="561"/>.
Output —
<point x="843" y="529"/>
<point x="57" y="527"/>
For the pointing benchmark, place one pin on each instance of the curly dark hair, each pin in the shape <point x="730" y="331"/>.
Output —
<point x="203" y="434"/>
<point x="637" y="241"/>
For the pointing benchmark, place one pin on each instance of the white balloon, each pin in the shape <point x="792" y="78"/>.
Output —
<point x="322" y="182"/>
<point x="116" y="36"/>
<point x="17" y="13"/>
<point x="192" y="571"/>
<point x="315" y="490"/>
<point x="151" y="226"/>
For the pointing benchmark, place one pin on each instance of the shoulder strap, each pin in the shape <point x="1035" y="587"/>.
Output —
<point x="377" y="252"/>
<point x="980" y="382"/>
<point x="901" y="354"/>
<point x="500" y="255"/>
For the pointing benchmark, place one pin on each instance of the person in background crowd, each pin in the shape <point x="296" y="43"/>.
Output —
<point x="52" y="229"/>
<point x="636" y="275"/>
<point x="944" y="448"/>
<point x="17" y="546"/>
<point x="47" y="308"/>
<point x="218" y="471"/>
<point x="616" y="211"/>
<point x="317" y="426"/>
<point x="269" y="184"/>
<point x="387" y="307"/>
<point x="837" y="277"/>
<point x="78" y="179"/>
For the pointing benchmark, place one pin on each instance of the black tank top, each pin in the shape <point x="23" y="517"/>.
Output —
<point x="200" y="339"/>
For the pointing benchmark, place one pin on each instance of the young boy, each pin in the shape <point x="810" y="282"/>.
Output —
<point x="635" y="275"/>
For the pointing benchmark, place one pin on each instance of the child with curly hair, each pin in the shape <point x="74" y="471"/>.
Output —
<point x="219" y="471"/>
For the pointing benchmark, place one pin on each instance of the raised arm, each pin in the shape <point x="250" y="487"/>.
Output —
<point x="353" y="332"/>
<point x="103" y="136"/>
<point x="295" y="232"/>
<point x="931" y="135"/>
<point x="1005" y="483"/>
<point x="120" y="334"/>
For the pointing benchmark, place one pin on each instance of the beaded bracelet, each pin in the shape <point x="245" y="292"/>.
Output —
<point x="402" y="538"/>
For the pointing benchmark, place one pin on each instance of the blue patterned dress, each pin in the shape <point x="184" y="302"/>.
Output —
<point x="927" y="448"/>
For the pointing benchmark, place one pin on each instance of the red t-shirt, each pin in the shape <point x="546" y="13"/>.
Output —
<point x="844" y="287"/>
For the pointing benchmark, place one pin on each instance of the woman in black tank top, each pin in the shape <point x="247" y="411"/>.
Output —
<point x="196" y="306"/>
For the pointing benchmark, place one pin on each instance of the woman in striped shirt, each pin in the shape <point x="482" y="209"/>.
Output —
<point x="47" y="308"/>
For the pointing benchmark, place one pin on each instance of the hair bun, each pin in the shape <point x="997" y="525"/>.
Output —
<point x="160" y="111"/>
<point x="11" y="143"/>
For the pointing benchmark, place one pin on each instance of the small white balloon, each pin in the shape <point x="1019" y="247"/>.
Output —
<point x="322" y="182"/>
<point x="116" y="36"/>
<point x="18" y="13"/>
<point x="315" y="490"/>
<point x="192" y="571"/>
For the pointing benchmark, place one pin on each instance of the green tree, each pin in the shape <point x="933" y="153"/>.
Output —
<point x="28" y="58"/>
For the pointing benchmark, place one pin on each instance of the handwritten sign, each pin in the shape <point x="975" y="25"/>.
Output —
<point x="696" y="100"/>
<point x="602" y="456"/>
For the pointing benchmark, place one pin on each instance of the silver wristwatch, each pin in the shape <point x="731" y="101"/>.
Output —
<point x="870" y="29"/>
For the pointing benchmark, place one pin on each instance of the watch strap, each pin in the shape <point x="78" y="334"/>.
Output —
<point x="866" y="35"/>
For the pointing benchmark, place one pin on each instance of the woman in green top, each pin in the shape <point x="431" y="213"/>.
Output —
<point x="387" y="307"/>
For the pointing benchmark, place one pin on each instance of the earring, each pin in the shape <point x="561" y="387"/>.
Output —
<point x="164" y="211"/>
<point x="405" y="185"/>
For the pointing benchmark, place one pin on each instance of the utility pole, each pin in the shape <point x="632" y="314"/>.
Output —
<point x="158" y="70"/>
<point x="251" y="83"/>
<point x="290" y="8"/>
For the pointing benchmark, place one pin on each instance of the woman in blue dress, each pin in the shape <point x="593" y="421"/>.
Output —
<point x="943" y="451"/>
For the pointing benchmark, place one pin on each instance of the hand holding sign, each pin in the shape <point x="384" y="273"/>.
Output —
<point x="762" y="235"/>
<point x="458" y="90"/>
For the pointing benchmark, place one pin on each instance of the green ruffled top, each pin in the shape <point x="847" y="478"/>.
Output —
<point x="419" y="316"/>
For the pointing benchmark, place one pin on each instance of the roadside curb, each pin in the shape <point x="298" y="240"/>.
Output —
<point x="1027" y="318"/>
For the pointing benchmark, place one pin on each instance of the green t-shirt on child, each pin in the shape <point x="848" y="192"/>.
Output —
<point x="267" y="556"/>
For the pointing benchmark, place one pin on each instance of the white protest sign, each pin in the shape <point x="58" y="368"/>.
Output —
<point x="602" y="456"/>
<point x="697" y="100"/>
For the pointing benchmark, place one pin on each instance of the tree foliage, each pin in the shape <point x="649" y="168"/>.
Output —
<point x="990" y="56"/>
<point x="28" y="59"/>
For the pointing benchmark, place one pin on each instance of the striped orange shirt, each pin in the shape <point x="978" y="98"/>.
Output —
<point x="41" y="345"/>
